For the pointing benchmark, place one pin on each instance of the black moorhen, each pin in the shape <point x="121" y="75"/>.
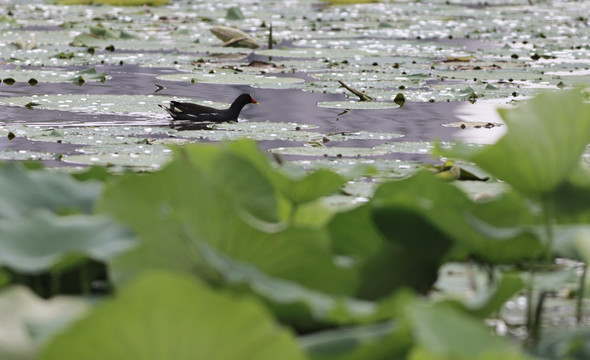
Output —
<point x="200" y="113"/>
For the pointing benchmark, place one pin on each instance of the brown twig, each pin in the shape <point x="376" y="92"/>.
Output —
<point x="362" y="96"/>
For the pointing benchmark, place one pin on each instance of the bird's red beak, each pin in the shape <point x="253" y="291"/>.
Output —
<point x="253" y="101"/>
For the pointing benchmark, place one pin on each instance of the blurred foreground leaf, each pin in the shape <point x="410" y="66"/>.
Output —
<point x="564" y="343"/>
<point x="292" y="303"/>
<point x="229" y="197"/>
<point x="22" y="191"/>
<point x="411" y="226"/>
<point x="387" y="340"/>
<point x="442" y="332"/>
<point x="545" y="139"/>
<point x="166" y="316"/>
<point x="33" y="244"/>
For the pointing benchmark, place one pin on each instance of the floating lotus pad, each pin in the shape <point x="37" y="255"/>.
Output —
<point x="377" y="46"/>
<point x="252" y="130"/>
<point x="179" y="61"/>
<point x="315" y="149"/>
<point x="48" y="55"/>
<point x="384" y="167"/>
<point x="412" y="147"/>
<point x="316" y="53"/>
<point x="361" y="135"/>
<point x="89" y="40"/>
<point x="25" y="155"/>
<point x="372" y="105"/>
<point x="371" y="76"/>
<point x="97" y="135"/>
<point x="494" y="75"/>
<point x="133" y="105"/>
<point x="35" y="39"/>
<point x="226" y="77"/>
<point x="263" y="126"/>
<point x="328" y="151"/>
<point x="53" y="76"/>
<point x="145" y="146"/>
<point x="16" y="131"/>
<point x="148" y="157"/>
<point x="272" y="131"/>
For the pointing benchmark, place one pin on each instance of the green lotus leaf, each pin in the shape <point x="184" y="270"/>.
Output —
<point x="131" y="105"/>
<point x="220" y="211"/>
<point x="25" y="191"/>
<point x="545" y="139"/>
<point x="141" y="156"/>
<point x="206" y="323"/>
<point x="224" y="77"/>
<point x="25" y="244"/>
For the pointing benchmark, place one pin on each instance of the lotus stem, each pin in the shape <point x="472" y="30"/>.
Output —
<point x="270" y="36"/>
<point x="535" y="334"/>
<point x="85" y="279"/>
<point x="549" y="220"/>
<point x="55" y="283"/>
<point x="581" y="292"/>
<point x="529" y="302"/>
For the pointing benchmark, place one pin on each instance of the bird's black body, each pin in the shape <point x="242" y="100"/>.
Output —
<point x="200" y="113"/>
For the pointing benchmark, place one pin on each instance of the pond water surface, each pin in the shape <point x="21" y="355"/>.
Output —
<point x="453" y="62"/>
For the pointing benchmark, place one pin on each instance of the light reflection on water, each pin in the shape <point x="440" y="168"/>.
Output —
<point x="484" y="111"/>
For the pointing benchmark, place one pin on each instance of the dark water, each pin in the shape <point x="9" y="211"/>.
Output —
<point x="416" y="121"/>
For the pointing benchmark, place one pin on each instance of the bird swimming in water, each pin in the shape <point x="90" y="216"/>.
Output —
<point x="200" y="113"/>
